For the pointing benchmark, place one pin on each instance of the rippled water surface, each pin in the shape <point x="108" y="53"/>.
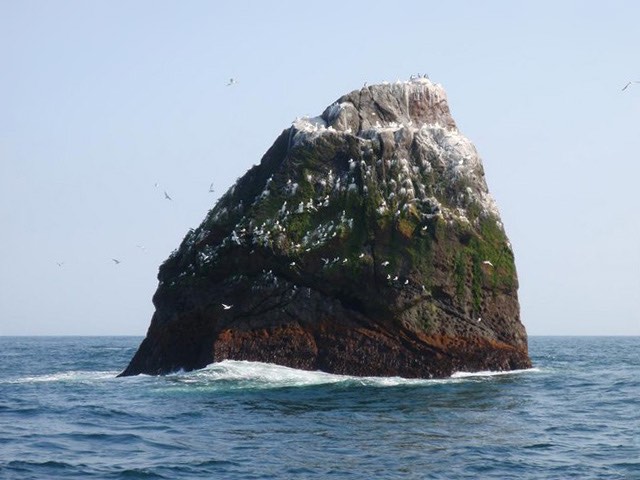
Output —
<point x="63" y="414"/>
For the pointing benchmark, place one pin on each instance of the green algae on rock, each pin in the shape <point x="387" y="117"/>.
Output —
<point x="365" y="242"/>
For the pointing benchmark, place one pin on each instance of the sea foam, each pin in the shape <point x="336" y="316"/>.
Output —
<point x="75" y="376"/>
<point x="234" y="374"/>
<point x="491" y="373"/>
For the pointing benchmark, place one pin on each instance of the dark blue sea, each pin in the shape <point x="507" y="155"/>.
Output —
<point x="64" y="415"/>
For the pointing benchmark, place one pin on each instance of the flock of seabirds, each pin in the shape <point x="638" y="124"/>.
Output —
<point x="232" y="81"/>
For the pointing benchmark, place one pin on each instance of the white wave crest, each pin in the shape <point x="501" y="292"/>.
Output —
<point x="243" y="374"/>
<point x="258" y="374"/>
<point x="492" y="373"/>
<point x="78" y="376"/>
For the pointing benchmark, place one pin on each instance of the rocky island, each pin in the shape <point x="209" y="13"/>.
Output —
<point x="365" y="242"/>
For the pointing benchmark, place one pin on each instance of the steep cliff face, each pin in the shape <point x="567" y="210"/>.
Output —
<point x="365" y="242"/>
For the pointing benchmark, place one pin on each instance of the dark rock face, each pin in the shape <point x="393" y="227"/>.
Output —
<point x="366" y="243"/>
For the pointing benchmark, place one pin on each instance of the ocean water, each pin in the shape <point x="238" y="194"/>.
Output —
<point x="63" y="414"/>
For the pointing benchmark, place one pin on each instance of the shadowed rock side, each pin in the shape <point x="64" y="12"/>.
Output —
<point x="364" y="243"/>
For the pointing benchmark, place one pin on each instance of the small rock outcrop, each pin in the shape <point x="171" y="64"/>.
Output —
<point x="365" y="242"/>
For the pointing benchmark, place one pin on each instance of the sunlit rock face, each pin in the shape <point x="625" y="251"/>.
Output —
<point x="365" y="242"/>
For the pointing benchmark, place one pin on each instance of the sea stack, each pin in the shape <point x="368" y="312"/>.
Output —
<point x="364" y="243"/>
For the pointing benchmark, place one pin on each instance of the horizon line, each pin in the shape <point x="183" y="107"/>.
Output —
<point x="52" y="335"/>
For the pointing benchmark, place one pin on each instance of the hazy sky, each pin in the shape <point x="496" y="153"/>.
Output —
<point x="101" y="100"/>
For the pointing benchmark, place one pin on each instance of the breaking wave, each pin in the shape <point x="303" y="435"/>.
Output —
<point x="234" y="374"/>
<point x="74" y="376"/>
<point x="490" y="373"/>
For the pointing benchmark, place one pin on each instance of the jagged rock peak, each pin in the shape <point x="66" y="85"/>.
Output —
<point x="414" y="104"/>
<point x="396" y="133"/>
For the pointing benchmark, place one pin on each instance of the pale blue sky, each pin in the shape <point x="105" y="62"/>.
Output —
<point x="100" y="100"/>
